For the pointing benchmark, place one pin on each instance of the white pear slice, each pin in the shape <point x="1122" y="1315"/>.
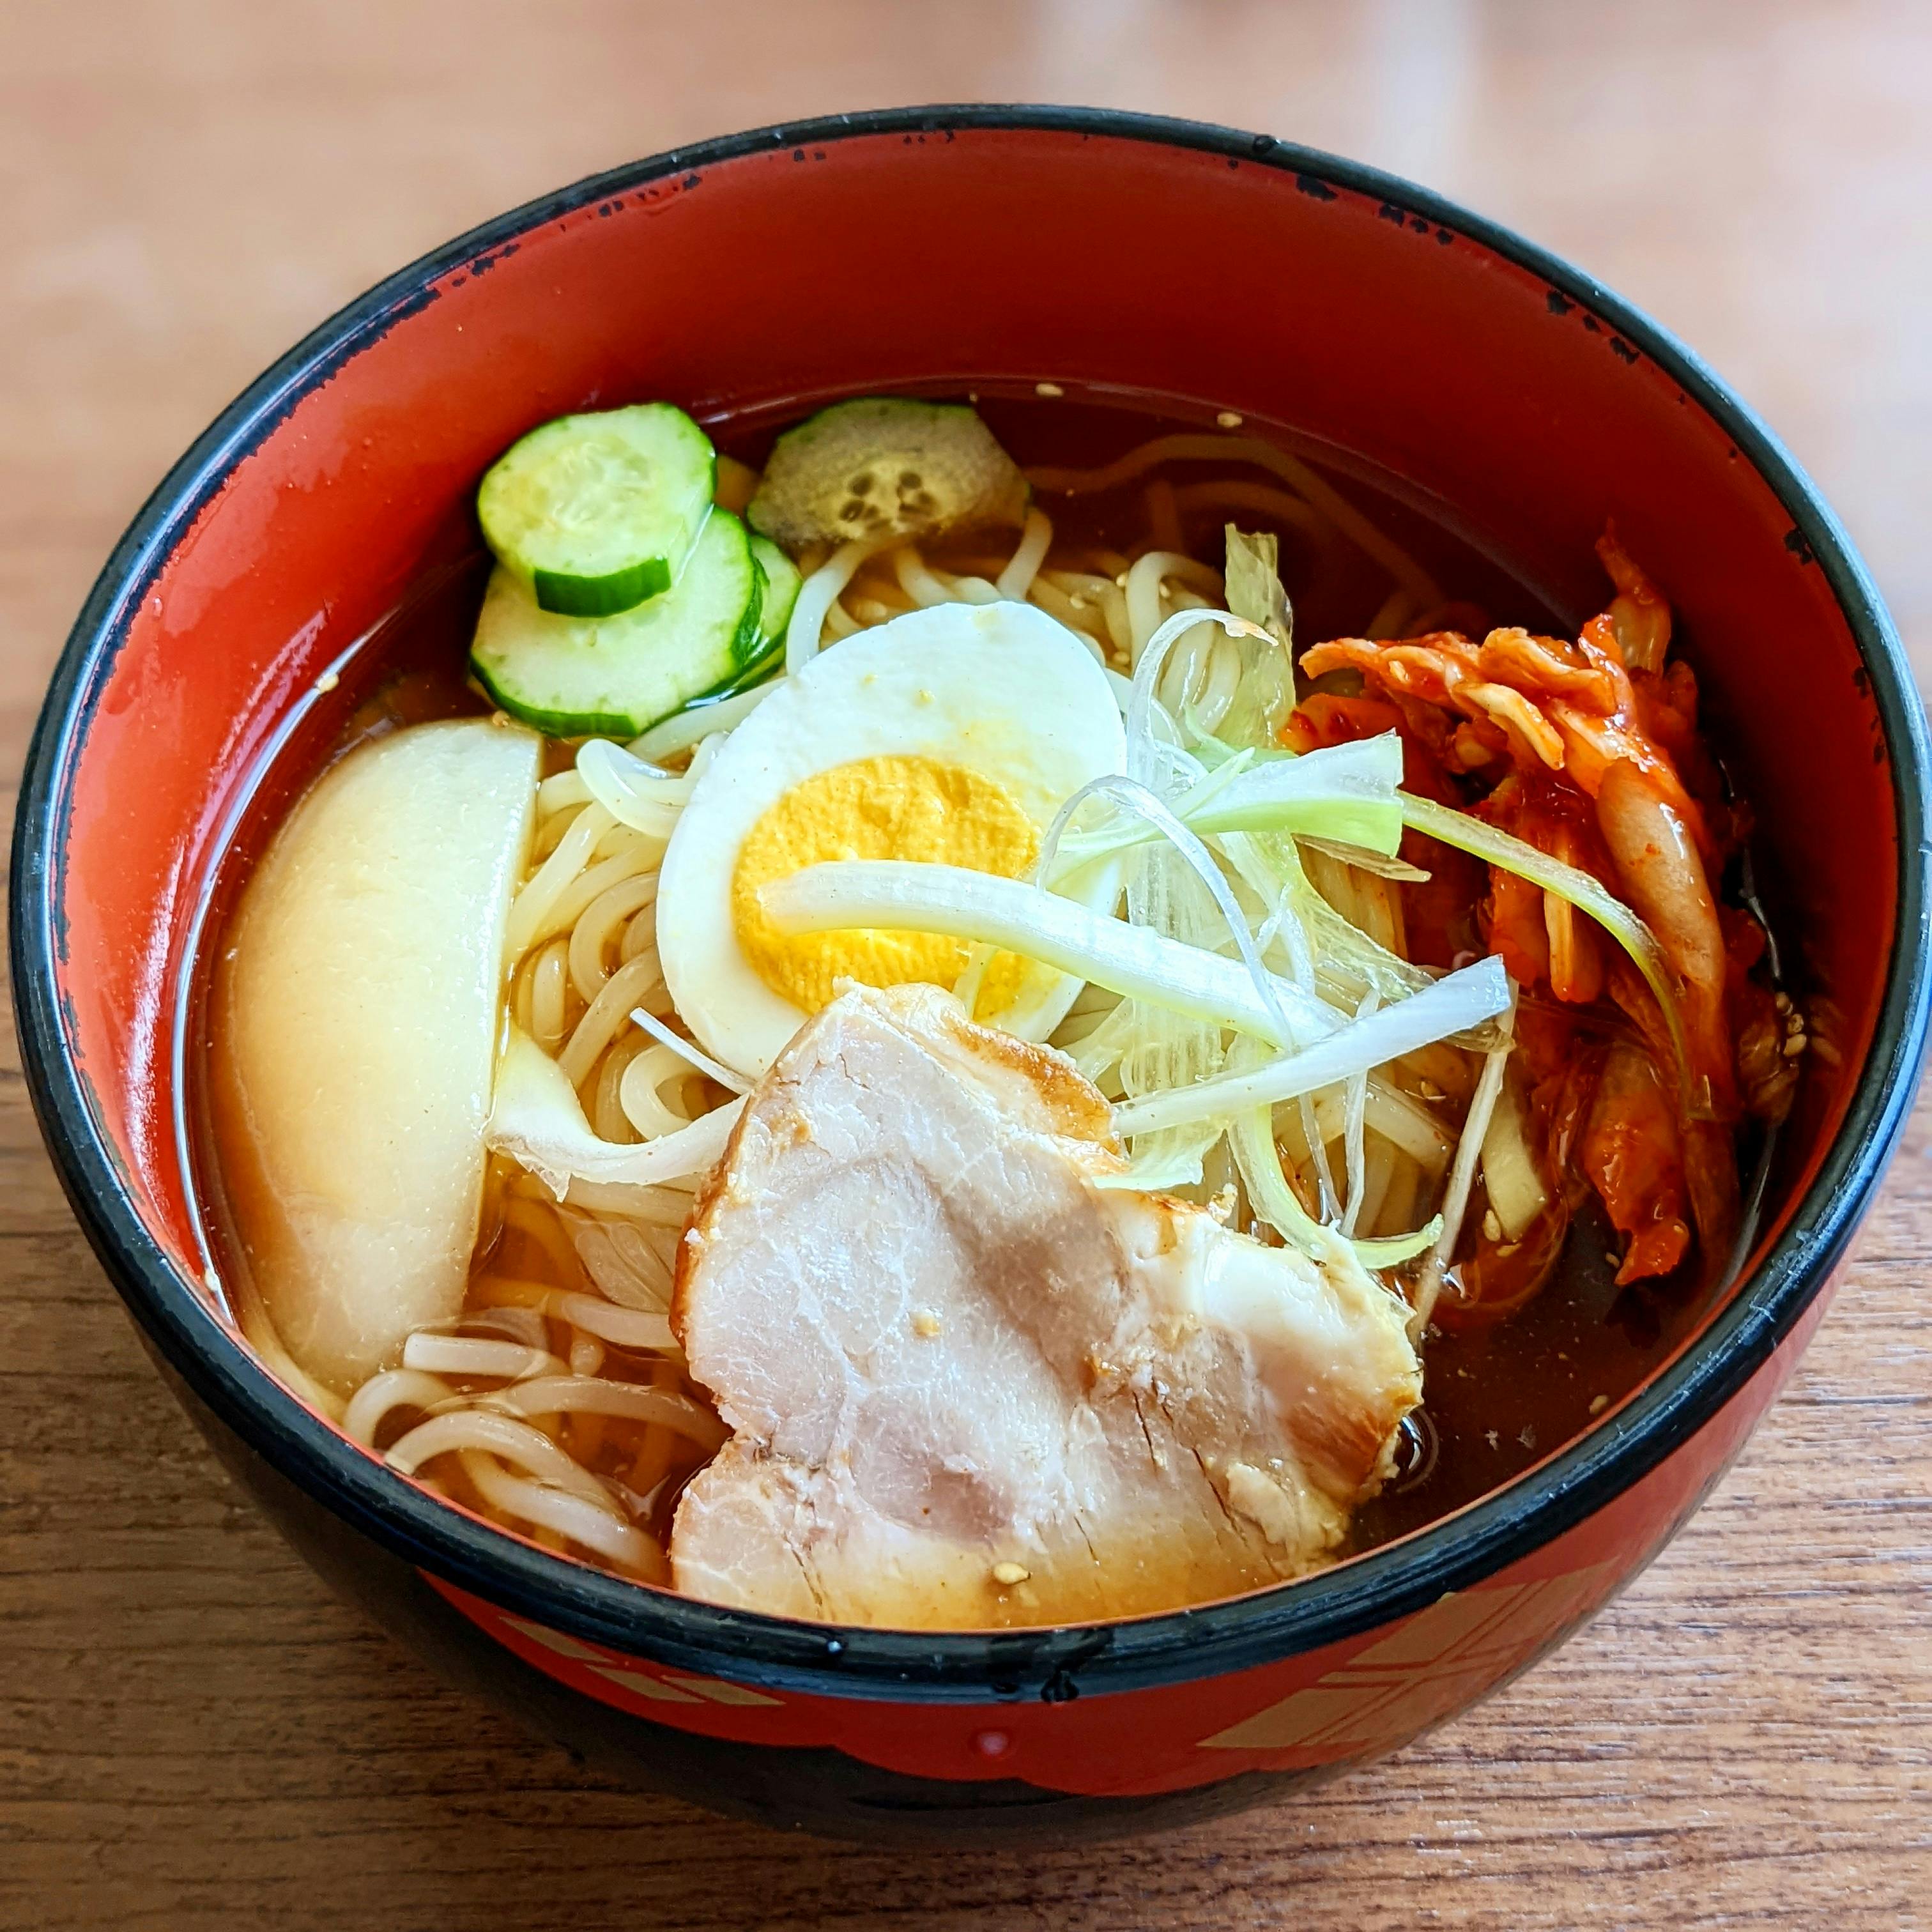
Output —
<point x="355" y="1022"/>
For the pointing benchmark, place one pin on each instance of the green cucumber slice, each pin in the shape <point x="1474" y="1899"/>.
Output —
<point x="770" y="661"/>
<point x="886" y="466"/>
<point x="781" y="583"/>
<point x="597" y="513"/>
<point x="768" y="664"/>
<point x="576" y="677"/>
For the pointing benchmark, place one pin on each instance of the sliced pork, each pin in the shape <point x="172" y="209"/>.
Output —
<point x="970" y="1383"/>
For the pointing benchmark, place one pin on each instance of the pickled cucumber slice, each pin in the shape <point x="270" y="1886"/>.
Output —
<point x="781" y="583"/>
<point x="886" y="466"/>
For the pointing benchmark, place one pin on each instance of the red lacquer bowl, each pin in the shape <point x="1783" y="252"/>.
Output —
<point x="933" y="248"/>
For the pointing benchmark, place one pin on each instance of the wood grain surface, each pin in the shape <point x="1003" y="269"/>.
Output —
<point x="193" y="1733"/>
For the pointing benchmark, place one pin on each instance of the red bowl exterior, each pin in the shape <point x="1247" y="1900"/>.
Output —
<point x="1361" y="311"/>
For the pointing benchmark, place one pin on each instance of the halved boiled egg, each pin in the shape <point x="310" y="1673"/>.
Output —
<point x="950" y="736"/>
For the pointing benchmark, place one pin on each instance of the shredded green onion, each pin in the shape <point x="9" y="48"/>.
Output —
<point x="1576" y="888"/>
<point x="1128" y="797"/>
<point x="903" y="895"/>
<point x="1345" y="793"/>
<point x="1451" y="1005"/>
<point x="1258" y="1156"/>
<point x="1168" y="1050"/>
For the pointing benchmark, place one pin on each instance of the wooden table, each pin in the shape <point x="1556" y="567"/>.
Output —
<point x="193" y="1733"/>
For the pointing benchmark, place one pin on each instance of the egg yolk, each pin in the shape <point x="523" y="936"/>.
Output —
<point x="898" y="807"/>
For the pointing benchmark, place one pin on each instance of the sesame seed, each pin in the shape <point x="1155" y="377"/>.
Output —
<point x="1794" y="1046"/>
<point x="1007" y="1574"/>
<point x="1782" y="1002"/>
<point x="926" y="1323"/>
<point x="1229" y="419"/>
<point x="1048" y="389"/>
<point x="327" y="682"/>
<point x="1598" y="1404"/>
<point x="1492" y="1228"/>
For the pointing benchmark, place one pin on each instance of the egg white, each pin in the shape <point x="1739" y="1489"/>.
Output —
<point x="1000" y="688"/>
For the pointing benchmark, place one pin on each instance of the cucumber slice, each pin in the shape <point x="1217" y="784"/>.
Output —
<point x="886" y="466"/>
<point x="597" y="513"/>
<point x="781" y="583"/>
<point x="768" y="664"/>
<point x="769" y="660"/>
<point x="575" y="677"/>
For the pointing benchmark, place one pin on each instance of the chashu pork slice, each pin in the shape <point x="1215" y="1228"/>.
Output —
<point x="969" y="1385"/>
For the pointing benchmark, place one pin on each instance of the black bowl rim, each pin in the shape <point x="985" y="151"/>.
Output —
<point x="968" y="1667"/>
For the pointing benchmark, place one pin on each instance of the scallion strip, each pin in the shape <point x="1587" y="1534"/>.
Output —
<point x="902" y="895"/>
<point x="1257" y="1155"/>
<point x="1575" y="888"/>
<point x="1452" y="1005"/>
<point x="1345" y="792"/>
